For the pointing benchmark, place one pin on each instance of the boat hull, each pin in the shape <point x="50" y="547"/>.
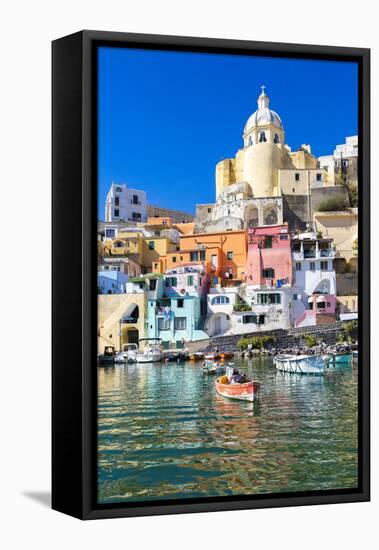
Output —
<point x="243" y="392"/>
<point x="302" y="364"/>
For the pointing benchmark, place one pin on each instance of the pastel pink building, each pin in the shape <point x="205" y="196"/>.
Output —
<point x="269" y="257"/>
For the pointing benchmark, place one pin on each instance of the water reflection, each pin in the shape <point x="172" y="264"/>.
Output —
<point x="164" y="432"/>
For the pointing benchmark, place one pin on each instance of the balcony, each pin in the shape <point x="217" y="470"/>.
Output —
<point x="314" y="254"/>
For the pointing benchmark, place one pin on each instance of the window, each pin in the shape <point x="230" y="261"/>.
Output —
<point x="262" y="137"/>
<point x="174" y="259"/>
<point x="155" y="266"/>
<point x="268" y="273"/>
<point x="272" y="298"/>
<point x="136" y="216"/>
<point x="157" y="233"/>
<point x="116" y="213"/>
<point x="209" y="210"/>
<point x="135" y="199"/>
<point x="151" y="245"/>
<point x="297" y="177"/>
<point x="118" y="190"/>
<point x="310" y="305"/>
<point x="202" y="255"/>
<point x="324" y="266"/>
<point x="250" y="142"/>
<point x="193" y="256"/>
<point x="190" y="280"/>
<point x="229" y="255"/>
<point x="171" y="281"/>
<point x="180" y="323"/>
<point x="217" y="300"/>
<point x="152" y="284"/>
<point x="276" y="138"/>
<point x="106" y="268"/>
<point x="298" y="266"/>
<point x="283" y="237"/>
<point x="110" y="233"/>
<point x="268" y="242"/>
<point x="312" y="266"/>
<point x="256" y="319"/>
<point x="180" y="302"/>
<point x="319" y="177"/>
<point x="295" y="297"/>
<point x="163" y="324"/>
<point x="117" y="201"/>
<point x="118" y="244"/>
<point x="181" y="258"/>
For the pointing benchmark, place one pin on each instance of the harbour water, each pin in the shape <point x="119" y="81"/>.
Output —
<point x="163" y="432"/>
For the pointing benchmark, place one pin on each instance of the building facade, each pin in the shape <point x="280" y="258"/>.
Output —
<point x="125" y="204"/>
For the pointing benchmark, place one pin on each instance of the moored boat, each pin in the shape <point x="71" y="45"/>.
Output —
<point x="302" y="364"/>
<point x="130" y="352"/>
<point x="226" y="355"/>
<point x="341" y="359"/>
<point x="212" y="356"/>
<point x="197" y="356"/>
<point x="108" y="357"/>
<point x="211" y="367"/>
<point x="150" y="350"/>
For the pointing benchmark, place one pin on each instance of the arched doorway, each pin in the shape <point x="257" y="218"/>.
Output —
<point x="251" y="216"/>
<point x="218" y="324"/>
<point x="270" y="214"/>
<point x="132" y="336"/>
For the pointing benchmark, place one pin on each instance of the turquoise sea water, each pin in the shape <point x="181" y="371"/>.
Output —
<point x="163" y="432"/>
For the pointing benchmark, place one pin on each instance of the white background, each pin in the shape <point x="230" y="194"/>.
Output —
<point x="27" y="27"/>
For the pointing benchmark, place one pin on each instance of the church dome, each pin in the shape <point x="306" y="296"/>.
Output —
<point x="263" y="115"/>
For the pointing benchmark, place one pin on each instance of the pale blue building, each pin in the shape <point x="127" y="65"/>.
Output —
<point x="178" y="309"/>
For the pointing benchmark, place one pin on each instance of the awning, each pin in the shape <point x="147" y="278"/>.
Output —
<point x="310" y="299"/>
<point x="320" y="299"/>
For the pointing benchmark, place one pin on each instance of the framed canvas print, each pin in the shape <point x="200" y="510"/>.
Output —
<point x="210" y="274"/>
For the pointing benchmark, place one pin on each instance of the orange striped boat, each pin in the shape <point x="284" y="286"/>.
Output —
<point x="245" y="392"/>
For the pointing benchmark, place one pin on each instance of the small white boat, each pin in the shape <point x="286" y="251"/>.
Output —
<point x="302" y="364"/>
<point x="130" y="352"/>
<point x="120" y="357"/>
<point x="150" y="350"/>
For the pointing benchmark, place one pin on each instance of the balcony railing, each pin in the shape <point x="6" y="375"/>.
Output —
<point x="314" y="254"/>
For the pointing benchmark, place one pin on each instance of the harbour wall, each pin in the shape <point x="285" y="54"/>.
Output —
<point x="328" y="333"/>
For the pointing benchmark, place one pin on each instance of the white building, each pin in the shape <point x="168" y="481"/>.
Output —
<point x="261" y="310"/>
<point x="315" y="279"/>
<point x="125" y="204"/>
<point x="342" y="155"/>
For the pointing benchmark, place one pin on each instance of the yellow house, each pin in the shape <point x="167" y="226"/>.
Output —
<point x="153" y="248"/>
<point x="121" y="319"/>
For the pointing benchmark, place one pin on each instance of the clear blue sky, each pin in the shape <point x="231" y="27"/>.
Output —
<point x="167" y="118"/>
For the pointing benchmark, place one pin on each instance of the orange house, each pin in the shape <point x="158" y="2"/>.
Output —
<point x="225" y="251"/>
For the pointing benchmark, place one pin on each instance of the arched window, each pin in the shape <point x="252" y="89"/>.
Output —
<point x="262" y="137"/>
<point x="276" y="138"/>
<point x="118" y="190"/>
<point x="250" y="141"/>
<point x="218" y="300"/>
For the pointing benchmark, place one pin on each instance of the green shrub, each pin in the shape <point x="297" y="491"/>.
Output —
<point x="310" y="340"/>
<point x="333" y="204"/>
<point x="256" y="342"/>
<point x="242" y="307"/>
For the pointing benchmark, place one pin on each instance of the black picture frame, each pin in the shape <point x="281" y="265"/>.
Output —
<point x="74" y="206"/>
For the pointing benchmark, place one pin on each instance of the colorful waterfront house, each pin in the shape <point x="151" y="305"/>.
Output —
<point x="245" y="309"/>
<point x="315" y="278"/>
<point x="225" y="251"/>
<point x="269" y="257"/>
<point x="177" y="310"/>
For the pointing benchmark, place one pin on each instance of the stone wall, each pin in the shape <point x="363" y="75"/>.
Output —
<point x="296" y="207"/>
<point x="328" y="333"/>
